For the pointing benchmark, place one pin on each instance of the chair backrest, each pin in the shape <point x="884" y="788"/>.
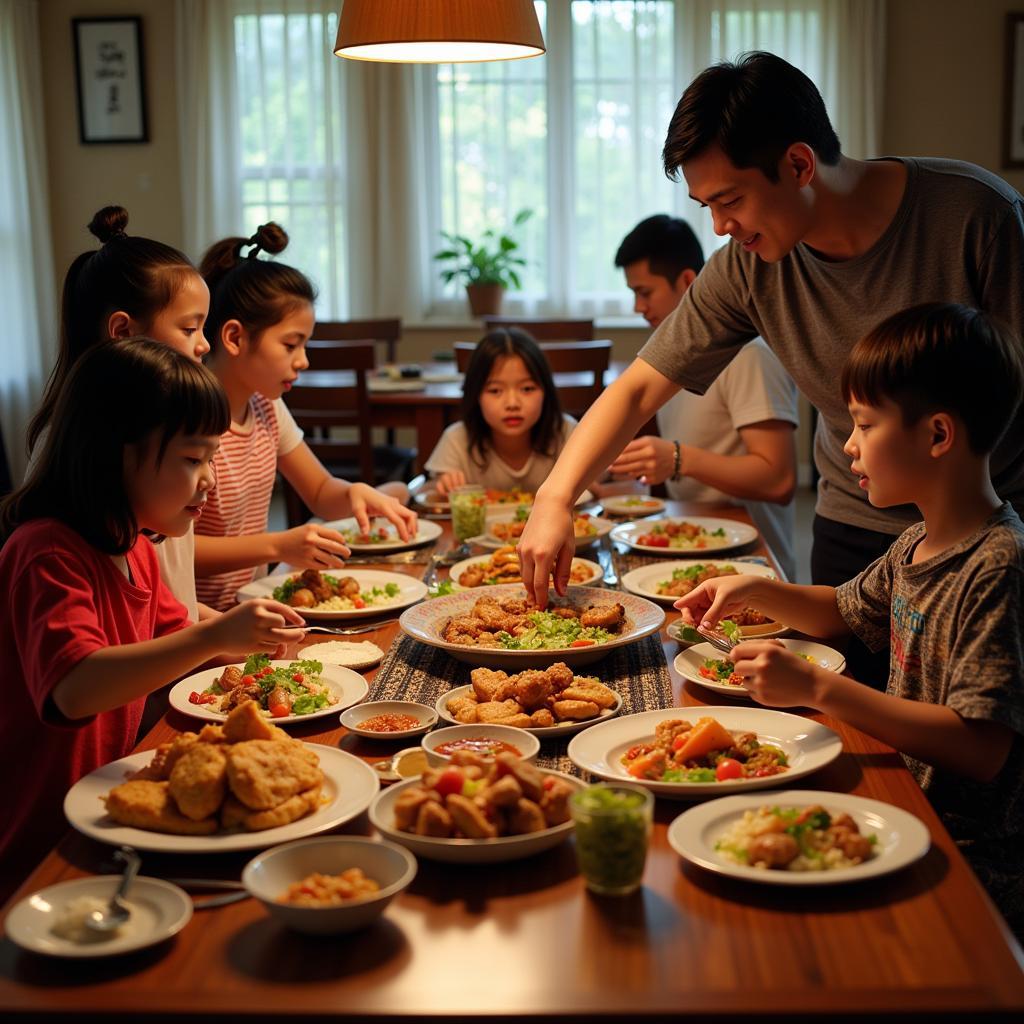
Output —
<point x="583" y="357"/>
<point x="387" y="331"/>
<point x="333" y="393"/>
<point x="542" y="329"/>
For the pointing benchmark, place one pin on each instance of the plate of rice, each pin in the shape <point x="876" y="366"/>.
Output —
<point x="799" y="837"/>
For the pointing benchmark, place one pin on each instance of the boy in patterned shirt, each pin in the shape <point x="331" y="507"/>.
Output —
<point x="930" y="391"/>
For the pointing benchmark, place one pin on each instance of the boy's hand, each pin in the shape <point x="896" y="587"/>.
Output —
<point x="446" y="481"/>
<point x="257" y="625"/>
<point x="312" y="547"/>
<point x="545" y="549"/>
<point x="648" y="459"/>
<point x="716" y="598"/>
<point x="367" y="501"/>
<point x="773" y="675"/>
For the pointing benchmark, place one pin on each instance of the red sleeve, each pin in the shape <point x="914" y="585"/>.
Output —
<point x="55" y="622"/>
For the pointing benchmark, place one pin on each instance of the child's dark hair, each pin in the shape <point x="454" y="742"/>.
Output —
<point x="128" y="272"/>
<point x="257" y="293"/>
<point x="667" y="243"/>
<point x="754" y="109"/>
<point x="119" y="393"/>
<point x="941" y="357"/>
<point x="548" y="429"/>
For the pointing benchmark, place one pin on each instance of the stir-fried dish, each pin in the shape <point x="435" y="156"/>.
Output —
<point x="683" y="535"/>
<point x="503" y="567"/>
<point x="513" y="625"/>
<point x="702" y="752"/>
<point x="796" y="839"/>
<point x="278" y="691"/>
<point x="321" y="592"/>
<point x="581" y="525"/>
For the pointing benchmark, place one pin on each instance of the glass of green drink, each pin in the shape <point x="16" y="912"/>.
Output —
<point x="613" y="825"/>
<point x="469" y="511"/>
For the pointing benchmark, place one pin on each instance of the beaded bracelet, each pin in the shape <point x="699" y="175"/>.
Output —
<point x="675" y="461"/>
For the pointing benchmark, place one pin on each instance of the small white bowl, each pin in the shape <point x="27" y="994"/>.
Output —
<point x="268" y="876"/>
<point x="426" y="716"/>
<point x="526" y="743"/>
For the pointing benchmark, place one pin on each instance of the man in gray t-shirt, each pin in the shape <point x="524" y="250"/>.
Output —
<point x="823" y="248"/>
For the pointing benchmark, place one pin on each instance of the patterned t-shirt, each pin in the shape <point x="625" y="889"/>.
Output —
<point x="245" y="467"/>
<point x="955" y="623"/>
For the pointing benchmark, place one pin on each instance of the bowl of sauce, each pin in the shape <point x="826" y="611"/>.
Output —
<point x="389" y="719"/>
<point x="485" y="740"/>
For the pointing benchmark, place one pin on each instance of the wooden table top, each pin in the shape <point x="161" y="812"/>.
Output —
<point x="526" y="940"/>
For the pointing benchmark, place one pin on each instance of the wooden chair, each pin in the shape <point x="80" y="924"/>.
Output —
<point x="383" y="331"/>
<point x="542" y="329"/>
<point x="581" y="357"/>
<point x="334" y="393"/>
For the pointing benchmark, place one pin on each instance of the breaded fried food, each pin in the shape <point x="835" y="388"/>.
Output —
<point x="247" y="722"/>
<point x="608" y="616"/>
<point x="493" y="711"/>
<point x="233" y="812"/>
<point x="165" y="757"/>
<point x="555" y="802"/>
<point x="456" y="704"/>
<point x="542" y="719"/>
<point x="434" y="820"/>
<point x="285" y="813"/>
<point x="265" y="773"/>
<point x="526" y="816"/>
<point x="469" y="819"/>
<point x="528" y="776"/>
<point x="531" y="688"/>
<point x="212" y="734"/>
<point x="199" y="780"/>
<point x="587" y="689"/>
<point x="490" y="685"/>
<point x="143" y="803"/>
<point x="559" y="675"/>
<point x="467" y="715"/>
<point x="575" y="710"/>
<point x="521" y="720"/>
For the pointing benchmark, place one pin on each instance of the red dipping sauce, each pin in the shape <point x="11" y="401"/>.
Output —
<point x="482" y="745"/>
<point x="389" y="723"/>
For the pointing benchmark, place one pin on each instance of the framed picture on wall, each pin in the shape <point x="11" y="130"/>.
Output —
<point x="1013" y="92"/>
<point x="110" y="77"/>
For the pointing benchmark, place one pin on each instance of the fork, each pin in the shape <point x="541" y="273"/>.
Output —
<point x="346" y="631"/>
<point x="717" y="640"/>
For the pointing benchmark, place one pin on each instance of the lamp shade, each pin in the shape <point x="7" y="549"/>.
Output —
<point x="438" y="31"/>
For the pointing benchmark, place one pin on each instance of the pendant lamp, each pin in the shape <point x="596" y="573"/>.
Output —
<point x="438" y="31"/>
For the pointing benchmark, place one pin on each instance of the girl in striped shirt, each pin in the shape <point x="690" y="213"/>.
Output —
<point x="261" y="316"/>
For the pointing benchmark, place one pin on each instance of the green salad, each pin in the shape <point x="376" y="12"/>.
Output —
<point x="280" y="690"/>
<point x="551" y="632"/>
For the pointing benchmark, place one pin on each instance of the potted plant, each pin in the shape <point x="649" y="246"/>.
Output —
<point x="487" y="268"/>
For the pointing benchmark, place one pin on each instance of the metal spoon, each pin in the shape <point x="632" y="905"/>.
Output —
<point x="118" y="911"/>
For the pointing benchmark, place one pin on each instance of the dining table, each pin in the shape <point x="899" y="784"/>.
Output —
<point x="526" y="940"/>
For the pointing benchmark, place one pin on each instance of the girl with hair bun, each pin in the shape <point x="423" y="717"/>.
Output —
<point x="131" y="286"/>
<point x="261" y="316"/>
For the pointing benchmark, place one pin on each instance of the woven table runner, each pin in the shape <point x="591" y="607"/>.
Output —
<point x="414" y="671"/>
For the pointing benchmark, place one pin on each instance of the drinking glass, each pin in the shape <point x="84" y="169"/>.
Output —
<point x="613" y="826"/>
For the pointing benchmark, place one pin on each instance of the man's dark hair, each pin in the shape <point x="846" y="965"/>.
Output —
<point x="667" y="243"/>
<point x="941" y="357"/>
<point x="754" y="110"/>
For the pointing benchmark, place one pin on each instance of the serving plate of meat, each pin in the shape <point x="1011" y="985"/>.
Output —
<point x="499" y="629"/>
<point x="338" y="594"/>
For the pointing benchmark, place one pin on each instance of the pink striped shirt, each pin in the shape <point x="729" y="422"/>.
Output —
<point x="246" y="466"/>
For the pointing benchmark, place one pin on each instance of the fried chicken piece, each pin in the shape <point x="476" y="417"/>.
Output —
<point x="542" y="719"/>
<point x="516" y="606"/>
<point x="230" y="678"/>
<point x="469" y="819"/>
<point x="526" y="816"/>
<point x="564" y="611"/>
<point x="585" y="688"/>
<point x="212" y="734"/>
<point x="312" y="581"/>
<point x="470" y="759"/>
<point x="233" y="812"/>
<point x="462" y="629"/>
<point x="265" y="773"/>
<point x="493" y="710"/>
<point x="285" y="813"/>
<point x="246" y="722"/>
<point x="493" y="618"/>
<point x="555" y="802"/>
<point x="143" y="803"/>
<point x="608" y="616"/>
<point x="240" y="695"/>
<point x="456" y="704"/>
<point x="521" y="720"/>
<point x="407" y="807"/>
<point x="434" y="820"/>
<point x="467" y="715"/>
<point x="528" y="777"/>
<point x="503" y="793"/>
<point x="167" y="755"/>
<point x="489" y="684"/>
<point x="474" y="576"/>
<point x="531" y="688"/>
<point x="575" y="710"/>
<point x="559" y="675"/>
<point x="199" y="781"/>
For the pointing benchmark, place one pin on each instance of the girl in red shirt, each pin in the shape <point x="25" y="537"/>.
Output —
<point x="88" y="628"/>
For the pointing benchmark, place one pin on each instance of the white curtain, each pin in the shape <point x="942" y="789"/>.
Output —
<point x="27" y="294"/>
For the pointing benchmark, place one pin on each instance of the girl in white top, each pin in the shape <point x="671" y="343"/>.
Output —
<point x="512" y="427"/>
<point x="261" y="316"/>
<point x="130" y="286"/>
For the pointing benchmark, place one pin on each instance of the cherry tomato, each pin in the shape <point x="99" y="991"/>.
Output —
<point x="266" y="671"/>
<point x="451" y="780"/>
<point x="582" y="643"/>
<point x="201" y="698"/>
<point x="248" y="680"/>
<point x="298" y="677"/>
<point x="358" y="602"/>
<point x="728" y="768"/>
<point x="654" y="540"/>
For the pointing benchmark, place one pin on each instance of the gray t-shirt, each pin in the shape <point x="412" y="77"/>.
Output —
<point x="956" y="627"/>
<point x="958" y="236"/>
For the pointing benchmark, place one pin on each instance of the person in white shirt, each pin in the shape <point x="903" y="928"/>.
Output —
<point x="735" y="443"/>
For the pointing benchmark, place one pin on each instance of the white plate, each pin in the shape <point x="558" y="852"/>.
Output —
<point x="632" y="505"/>
<point x="410" y="591"/>
<point x="350" y="784"/>
<point x="429" y="498"/>
<point x="562" y="729"/>
<point x="426" y="715"/>
<point x="425" y="622"/>
<point x="385" y="384"/>
<point x="769" y="631"/>
<point x="644" y="581"/>
<point x="737" y="535"/>
<point x="902" y="838"/>
<point x="488" y="540"/>
<point x="348" y="686"/>
<point x="807" y="744"/>
<point x="595" y="577"/>
<point x="160" y="910"/>
<point x="426" y="533"/>
<point x="688" y="663"/>
<point x="466" y="851"/>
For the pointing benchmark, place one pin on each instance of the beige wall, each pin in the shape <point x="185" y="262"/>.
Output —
<point x="142" y="178"/>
